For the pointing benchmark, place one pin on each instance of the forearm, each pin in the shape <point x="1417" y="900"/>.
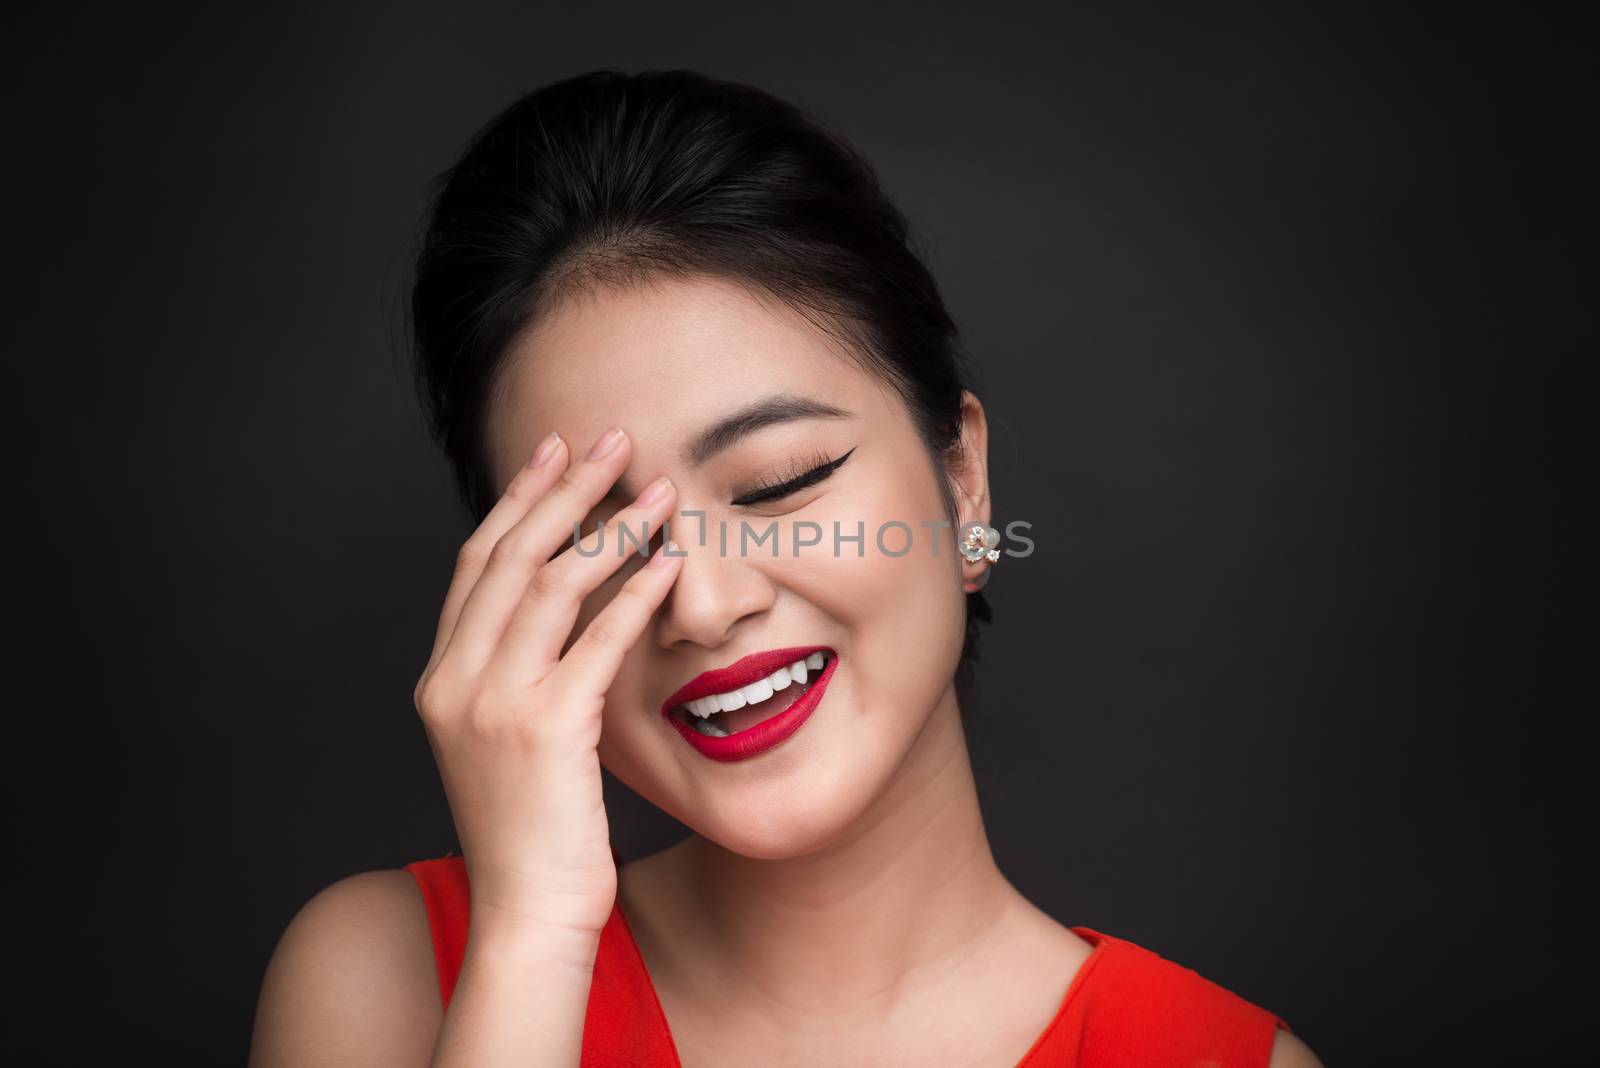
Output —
<point x="521" y="1000"/>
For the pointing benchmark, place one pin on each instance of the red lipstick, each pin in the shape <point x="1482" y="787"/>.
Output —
<point x="769" y="732"/>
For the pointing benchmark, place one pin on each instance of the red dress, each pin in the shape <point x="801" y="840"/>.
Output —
<point x="1126" y="1006"/>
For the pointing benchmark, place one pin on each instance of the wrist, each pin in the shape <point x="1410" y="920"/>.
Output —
<point x="518" y="940"/>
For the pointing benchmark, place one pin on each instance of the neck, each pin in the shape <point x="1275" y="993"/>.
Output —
<point x="889" y="908"/>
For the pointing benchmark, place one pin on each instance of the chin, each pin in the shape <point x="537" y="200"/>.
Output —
<point x="794" y="831"/>
<point x="831" y="792"/>
<point x="798" y="798"/>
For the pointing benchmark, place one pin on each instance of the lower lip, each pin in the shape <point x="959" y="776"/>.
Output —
<point x="764" y="735"/>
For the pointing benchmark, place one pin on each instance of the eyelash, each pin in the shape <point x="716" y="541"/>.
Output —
<point x="775" y="491"/>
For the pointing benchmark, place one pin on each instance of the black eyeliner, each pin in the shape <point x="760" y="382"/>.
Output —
<point x="800" y="482"/>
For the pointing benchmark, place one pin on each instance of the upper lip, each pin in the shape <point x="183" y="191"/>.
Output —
<point x="741" y="672"/>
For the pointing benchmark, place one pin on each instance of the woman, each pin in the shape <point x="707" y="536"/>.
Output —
<point x="666" y="300"/>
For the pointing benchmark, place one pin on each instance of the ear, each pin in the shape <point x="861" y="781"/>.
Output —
<point x="969" y="471"/>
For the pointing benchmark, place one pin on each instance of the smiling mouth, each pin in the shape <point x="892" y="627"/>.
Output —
<point x="720" y="715"/>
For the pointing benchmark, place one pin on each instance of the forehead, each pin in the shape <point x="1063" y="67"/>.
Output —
<point x="661" y="358"/>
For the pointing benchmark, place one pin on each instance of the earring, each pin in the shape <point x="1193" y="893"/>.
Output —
<point x="979" y="541"/>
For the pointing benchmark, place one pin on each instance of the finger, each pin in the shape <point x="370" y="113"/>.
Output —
<point x="540" y="626"/>
<point x="527" y="486"/>
<point x="588" y="669"/>
<point x="530" y="542"/>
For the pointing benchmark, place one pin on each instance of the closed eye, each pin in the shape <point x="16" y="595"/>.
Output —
<point x="779" y="490"/>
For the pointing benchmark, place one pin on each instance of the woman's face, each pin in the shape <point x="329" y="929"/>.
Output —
<point x="666" y="360"/>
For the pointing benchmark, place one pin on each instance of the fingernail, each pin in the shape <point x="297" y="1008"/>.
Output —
<point x="608" y="441"/>
<point x="661" y="559"/>
<point x="546" y="449"/>
<point x="653" y="492"/>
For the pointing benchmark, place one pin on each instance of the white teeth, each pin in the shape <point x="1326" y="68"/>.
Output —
<point x="757" y="691"/>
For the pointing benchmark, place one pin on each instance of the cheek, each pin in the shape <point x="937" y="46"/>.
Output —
<point x="906" y="610"/>
<point x="878" y="586"/>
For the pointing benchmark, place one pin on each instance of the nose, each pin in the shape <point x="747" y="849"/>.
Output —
<point x="713" y="594"/>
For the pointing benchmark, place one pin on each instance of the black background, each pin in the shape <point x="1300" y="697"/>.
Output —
<point x="1267" y="303"/>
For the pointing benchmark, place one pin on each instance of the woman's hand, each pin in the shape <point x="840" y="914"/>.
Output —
<point x="512" y="721"/>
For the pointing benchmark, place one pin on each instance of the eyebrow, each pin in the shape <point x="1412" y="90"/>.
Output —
<point x="738" y="425"/>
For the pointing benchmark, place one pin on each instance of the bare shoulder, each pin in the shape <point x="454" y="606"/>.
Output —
<point x="1289" y="1052"/>
<point x="352" y="980"/>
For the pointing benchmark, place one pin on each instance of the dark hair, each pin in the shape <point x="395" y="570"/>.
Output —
<point x="608" y="177"/>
